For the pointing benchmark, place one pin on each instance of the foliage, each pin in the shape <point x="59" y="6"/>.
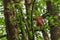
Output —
<point x="20" y="11"/>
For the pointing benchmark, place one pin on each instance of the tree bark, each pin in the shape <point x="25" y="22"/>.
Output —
<point x="28" y="26"/>
<point x="55" y="31"/>
<point x="45" y="35"/>
<point x="21" y="19"/>
<point x="11" y="27"/>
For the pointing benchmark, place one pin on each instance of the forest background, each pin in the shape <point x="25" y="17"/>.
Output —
<point x="29" y="19"/>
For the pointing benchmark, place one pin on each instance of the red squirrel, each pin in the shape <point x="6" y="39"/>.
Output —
<point x="39" y="20"/>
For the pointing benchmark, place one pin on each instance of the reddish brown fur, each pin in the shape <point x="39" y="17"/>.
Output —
<point x="40" y="21"/>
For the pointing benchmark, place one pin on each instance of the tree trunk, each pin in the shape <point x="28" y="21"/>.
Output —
<point x="45" y="35"/>
<point x="55" y="31"/>
<point x="21" y="20"/>
<point x="11" y="27"/>
<point x="28" y="13"/>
